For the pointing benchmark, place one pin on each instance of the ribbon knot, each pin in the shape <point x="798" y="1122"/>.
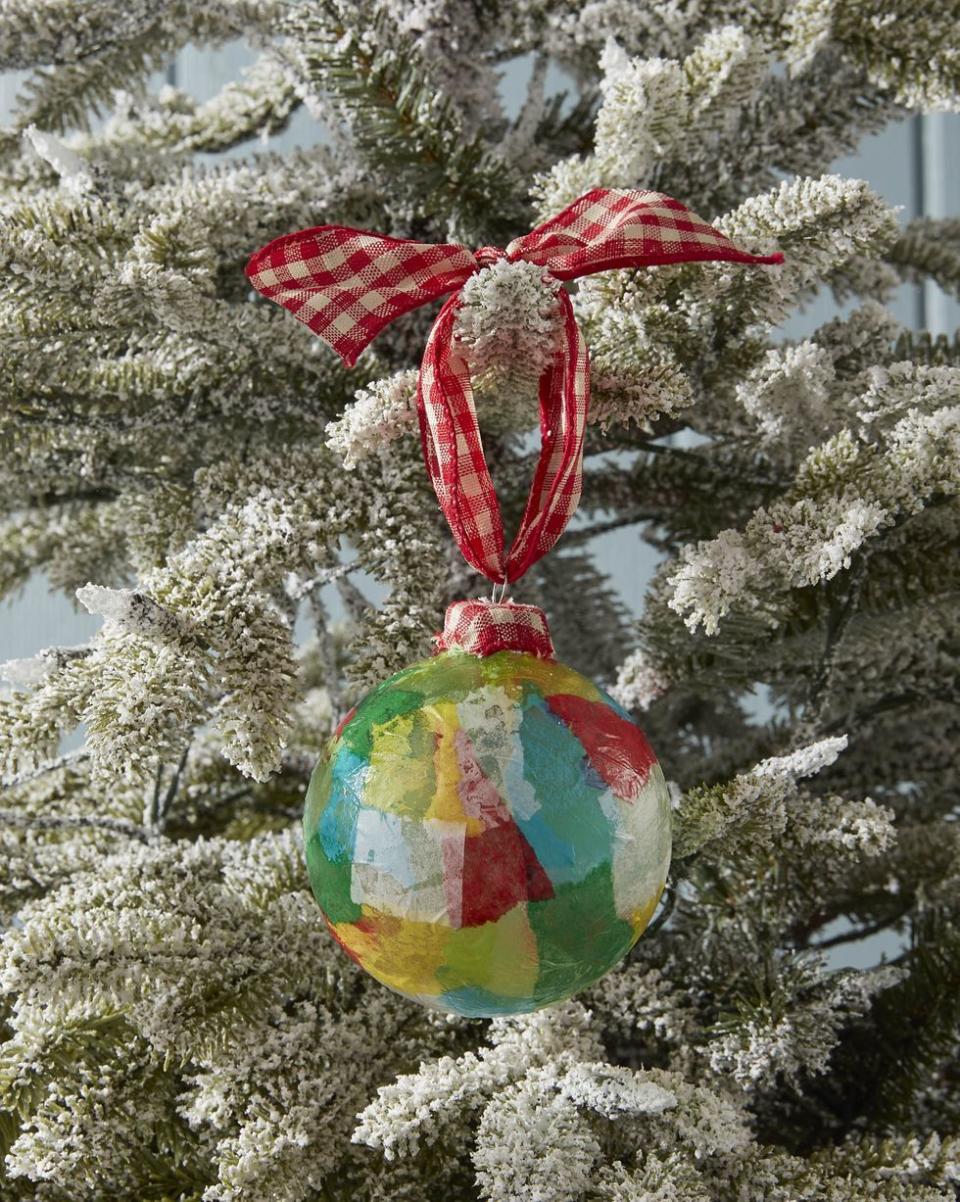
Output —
<point x="487" y="255"/>
<point x="347" y="284"/>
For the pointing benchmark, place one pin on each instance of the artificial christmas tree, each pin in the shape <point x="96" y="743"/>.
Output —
<point x="187" y="461"/>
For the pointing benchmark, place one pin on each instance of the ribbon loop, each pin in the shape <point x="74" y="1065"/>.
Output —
<point x="347" y="284"/>
<point x="453" y="450"/>
<point x="558" y="481"/>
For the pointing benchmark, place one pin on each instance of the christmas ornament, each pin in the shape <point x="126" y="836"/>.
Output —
<point x="488" y="832"/>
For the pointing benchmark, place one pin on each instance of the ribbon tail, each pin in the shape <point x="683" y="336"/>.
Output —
<point x="607" y="228"/>
<point x="347" y="284"/>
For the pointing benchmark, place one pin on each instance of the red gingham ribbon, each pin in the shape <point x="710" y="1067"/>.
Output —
<point x="347" y="284"/>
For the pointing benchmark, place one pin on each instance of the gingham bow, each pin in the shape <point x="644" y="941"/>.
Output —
<point x="347" y="284"/>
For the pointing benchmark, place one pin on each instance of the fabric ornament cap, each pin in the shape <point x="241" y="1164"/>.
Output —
<point x="485" y="627"/>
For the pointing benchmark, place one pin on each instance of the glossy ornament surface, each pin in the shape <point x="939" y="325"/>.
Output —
<point x="487" y="834"/>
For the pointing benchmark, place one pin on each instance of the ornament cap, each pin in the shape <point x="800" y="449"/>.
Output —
<point x="485" y="627"/>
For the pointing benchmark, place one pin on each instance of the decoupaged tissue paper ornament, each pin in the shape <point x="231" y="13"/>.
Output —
<point x="487" y="832"/>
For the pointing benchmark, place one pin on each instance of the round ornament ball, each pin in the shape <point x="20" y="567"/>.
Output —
<point x="488" y="832"/>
